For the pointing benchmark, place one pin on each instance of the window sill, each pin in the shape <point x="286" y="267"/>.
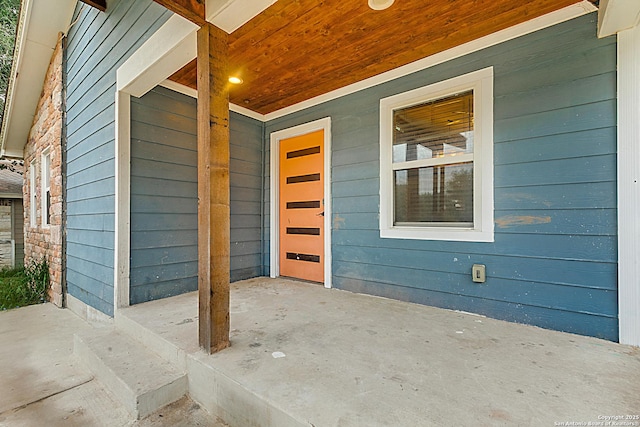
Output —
<point x="432" y="233"/>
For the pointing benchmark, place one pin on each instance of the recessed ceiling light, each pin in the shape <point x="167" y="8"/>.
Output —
<point x="235" y="80"/>
<point x="380" y="4"/>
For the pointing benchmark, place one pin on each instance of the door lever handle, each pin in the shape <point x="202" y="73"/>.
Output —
<point x="320" y="214"/>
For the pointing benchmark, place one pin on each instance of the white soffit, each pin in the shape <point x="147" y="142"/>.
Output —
<point x="39" y="24"/>
<point x="617" y="15"/>
<point x="229" y="15"/>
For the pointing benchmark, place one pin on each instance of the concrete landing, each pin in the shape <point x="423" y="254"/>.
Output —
<point x="140" y="379"/>
<point x="43" y="384"/>
<point x="302" y="355"/>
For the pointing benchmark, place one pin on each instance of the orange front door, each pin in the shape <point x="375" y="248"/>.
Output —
<point x="302" y="207"/>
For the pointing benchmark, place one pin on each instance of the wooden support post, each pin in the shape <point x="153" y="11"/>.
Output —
<point x="213" y="189"/>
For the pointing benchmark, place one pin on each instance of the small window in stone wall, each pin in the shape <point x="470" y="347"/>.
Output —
<point x="46" y="189"/>
<point x="32" y="194"/>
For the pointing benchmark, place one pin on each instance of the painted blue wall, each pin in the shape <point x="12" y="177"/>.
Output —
<point x="98" y="44"/>
<point x="553" y="262"/>
<point x="164" y="195"/>
<point x="245" y="179"/>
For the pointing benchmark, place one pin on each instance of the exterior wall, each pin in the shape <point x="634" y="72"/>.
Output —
<point x="553" y="262"/>
<point x="97" y="45"/>
<point x="245" y="151"/>
<point x="164" y="196"/>
<point x="45" y="241"/>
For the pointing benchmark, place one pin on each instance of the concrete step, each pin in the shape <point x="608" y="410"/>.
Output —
<point x="139" y="378"/>
<point x="161" y="345"/>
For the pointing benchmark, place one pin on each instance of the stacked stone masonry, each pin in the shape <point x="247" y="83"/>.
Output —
<point x="44" y="241"/>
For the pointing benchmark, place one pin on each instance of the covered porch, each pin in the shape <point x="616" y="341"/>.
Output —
<point x="302" y="355"/>
<point x="217" y="57"/>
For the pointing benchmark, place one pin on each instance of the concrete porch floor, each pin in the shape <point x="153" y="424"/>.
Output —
<point x="309" y="356"/>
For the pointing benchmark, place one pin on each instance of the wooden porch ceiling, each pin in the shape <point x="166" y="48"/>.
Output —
<point x="298" y="49"/>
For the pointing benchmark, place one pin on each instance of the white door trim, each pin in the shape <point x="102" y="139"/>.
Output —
<point x="274" y="244"/>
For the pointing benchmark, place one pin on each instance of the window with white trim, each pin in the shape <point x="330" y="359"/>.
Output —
<point x="45" y="179"/>
<point x="32" y="194"/>
<point x="436" y="161"/>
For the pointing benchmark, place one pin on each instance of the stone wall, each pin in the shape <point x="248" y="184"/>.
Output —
<point x="45" y="240"/>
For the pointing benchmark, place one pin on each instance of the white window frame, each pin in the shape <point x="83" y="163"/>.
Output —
<point x="45" y="186"/>
<point x="32" y="194"/>
<point x="481" y="82"/>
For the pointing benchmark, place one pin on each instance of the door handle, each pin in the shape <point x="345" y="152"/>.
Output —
<point x="320" y="214"/>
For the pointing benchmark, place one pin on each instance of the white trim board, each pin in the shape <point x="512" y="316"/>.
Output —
<point x="617" y="15"/>
<point x="629" y="186"/>
<point x="545" y="21"/>
<point x="274" y="197"/>
<point x="45" y="178"/>
<point x="186" y="90"/>
<point x="171" y="47"/>
<point x="122" y="237"/>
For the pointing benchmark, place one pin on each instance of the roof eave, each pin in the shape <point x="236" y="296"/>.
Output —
<point x="39" y="24"/>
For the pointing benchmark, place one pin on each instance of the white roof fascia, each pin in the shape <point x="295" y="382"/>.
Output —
<point x="39" y="24"/>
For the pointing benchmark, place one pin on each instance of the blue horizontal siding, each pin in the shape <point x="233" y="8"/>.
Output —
<point x="164" y="196"/>
<point x="246" y="153"/>
<point x="558" y="246"/>
<point x="97" y="45"/>
<point x="164" y="189"/>
<point x="587" y="195"/>
<point x="576" y="273"/>
<point x="149" y="257"/>
<point x="552" y="172"/>
<point x="593" y="142"/>
<point x="564" y="320"/>
<point x="553" y="262"/>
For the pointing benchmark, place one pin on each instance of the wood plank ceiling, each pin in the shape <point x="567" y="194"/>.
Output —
<point x="298" y="49"/>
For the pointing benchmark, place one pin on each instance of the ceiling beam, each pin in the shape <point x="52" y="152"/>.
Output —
<point x="98" y="4"/>
<point x="617" y="15"/>
<point x="193" y="10"/>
